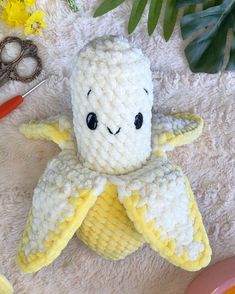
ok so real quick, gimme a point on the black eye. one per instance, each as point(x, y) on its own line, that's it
point(139, 120)
point(89, 92)
point(91, 121)
point(147, 92)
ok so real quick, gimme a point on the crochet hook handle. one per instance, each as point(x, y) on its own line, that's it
point(8, 106)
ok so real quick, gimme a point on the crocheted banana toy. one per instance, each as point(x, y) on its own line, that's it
point(5, 286)
point(112, 183)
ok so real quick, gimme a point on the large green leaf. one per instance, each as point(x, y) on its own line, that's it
point(171, 12)
point(206, 3)
point(136, 13)
point(154, 13)
point(182, 3)
point(106, 6)
point(190, 9)
point(206, 52)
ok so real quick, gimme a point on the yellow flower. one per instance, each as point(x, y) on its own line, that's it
point(34, 23)
point(29, 2)
point(14, 13)
point(2, 3)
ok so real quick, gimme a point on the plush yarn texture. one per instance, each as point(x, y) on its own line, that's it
point(157, 205)
point(5, 286)
point(113, 80)
point(207, 162)
point(156, 197)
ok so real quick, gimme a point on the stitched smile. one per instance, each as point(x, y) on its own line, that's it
point(112, 132)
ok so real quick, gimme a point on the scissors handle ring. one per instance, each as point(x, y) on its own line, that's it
point(28, 49)
point(14, 75)
point(8, 40)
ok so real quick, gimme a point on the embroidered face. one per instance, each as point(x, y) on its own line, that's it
point(112, 100)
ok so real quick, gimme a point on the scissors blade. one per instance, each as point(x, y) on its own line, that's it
point(3, 70)
point(4, 77)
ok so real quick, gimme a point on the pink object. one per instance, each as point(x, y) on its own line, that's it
point(216, 279)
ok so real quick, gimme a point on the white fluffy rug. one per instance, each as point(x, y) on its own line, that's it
point(209, 162)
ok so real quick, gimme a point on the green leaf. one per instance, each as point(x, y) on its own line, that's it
point(211, 3)
point(106, 6)
point(193, 23)
point(136, 13)
point(72, 5)
point(190, 9)
point(218, 2)
point(171, 13)
point(154, 13)
point(183, 3)
point(206, 52)
point(208, 4)
point(231, 62)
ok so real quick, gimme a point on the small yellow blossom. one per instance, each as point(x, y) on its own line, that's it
point(19, 12)
point(29, 2)
point(34, 23)
point(2, 3)
point(14, 13)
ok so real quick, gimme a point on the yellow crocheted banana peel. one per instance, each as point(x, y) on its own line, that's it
point(52, 130)
point(182, 136)
point(166, 248)
point(57, 131)
point(112, 229)
point(57, 241)
point(5, 286)
point(107, 229)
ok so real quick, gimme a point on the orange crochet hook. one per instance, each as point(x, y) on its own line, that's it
point(11, 104)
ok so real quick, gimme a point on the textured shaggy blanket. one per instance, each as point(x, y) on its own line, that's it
point(209, 162)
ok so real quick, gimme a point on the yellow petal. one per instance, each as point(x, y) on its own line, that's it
point(14, 13)
point(29, 2)
point(5, 286)
point(34, 23)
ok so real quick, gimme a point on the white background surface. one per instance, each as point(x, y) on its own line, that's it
point(209, 162)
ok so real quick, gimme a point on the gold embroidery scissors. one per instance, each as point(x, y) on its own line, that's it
point(9, 67)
